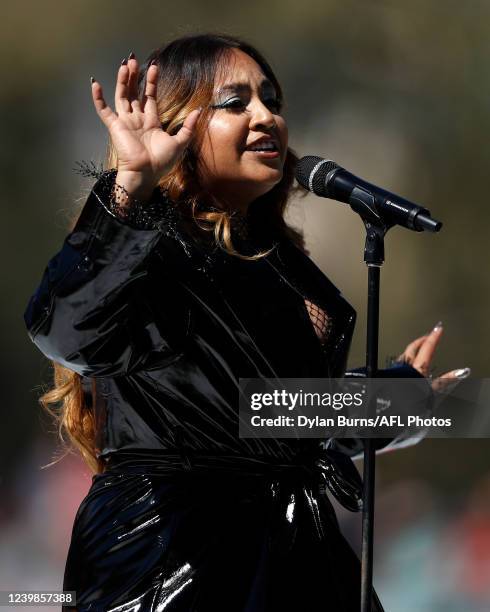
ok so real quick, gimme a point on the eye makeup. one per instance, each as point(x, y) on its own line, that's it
point(236, 103)
point(243, 94)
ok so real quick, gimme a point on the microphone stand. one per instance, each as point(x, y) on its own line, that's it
point(374, 258)
point(378, 213)
point(376, 226)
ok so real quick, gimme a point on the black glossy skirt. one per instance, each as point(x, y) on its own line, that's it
point(207, 542)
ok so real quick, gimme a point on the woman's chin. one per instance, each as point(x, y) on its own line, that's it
point(267, 174)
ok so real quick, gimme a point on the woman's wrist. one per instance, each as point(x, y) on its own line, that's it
point(132, 187)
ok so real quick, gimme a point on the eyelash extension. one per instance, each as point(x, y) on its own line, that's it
point(233, 106)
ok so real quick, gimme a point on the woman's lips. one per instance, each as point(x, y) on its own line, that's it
point(266, 154)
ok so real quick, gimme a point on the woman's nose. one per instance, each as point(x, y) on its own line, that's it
point(261, 116)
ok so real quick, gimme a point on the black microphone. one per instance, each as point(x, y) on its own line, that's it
point(327, 179)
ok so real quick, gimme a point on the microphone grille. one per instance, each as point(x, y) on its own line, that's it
point(311, 171)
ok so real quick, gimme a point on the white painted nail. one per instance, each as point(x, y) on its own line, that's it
point(462, 373)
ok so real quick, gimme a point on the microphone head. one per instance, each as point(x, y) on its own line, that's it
point(311, 172)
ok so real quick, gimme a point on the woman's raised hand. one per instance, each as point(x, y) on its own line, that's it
point(145, 152)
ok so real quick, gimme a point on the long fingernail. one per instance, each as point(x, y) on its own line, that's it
point(153, 62)
point(131, 55)
point(124, 62)
point(437, 326)
point(462, 373)
point(92, 80)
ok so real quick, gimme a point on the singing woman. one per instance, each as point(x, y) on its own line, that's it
point(179, 277)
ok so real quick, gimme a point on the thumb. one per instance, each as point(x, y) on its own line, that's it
point(446, 382)
point(186, 132)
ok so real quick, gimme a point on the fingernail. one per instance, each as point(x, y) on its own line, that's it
point(199, 108)
point(437, 326)
point(153, 62)
point(124, 62)
point(131, 55)
point(462, 373)
point(92, 80)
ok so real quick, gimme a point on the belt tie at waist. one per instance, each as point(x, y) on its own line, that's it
point(328, 469)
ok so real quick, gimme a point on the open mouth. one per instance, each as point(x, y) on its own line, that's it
point(264, 149)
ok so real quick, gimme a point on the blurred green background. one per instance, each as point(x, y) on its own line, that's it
point(398, 93)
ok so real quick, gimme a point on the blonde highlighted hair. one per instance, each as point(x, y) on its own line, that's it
point(188, 67)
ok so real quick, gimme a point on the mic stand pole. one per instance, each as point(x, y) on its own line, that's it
point(364, 203)
point(374, 258)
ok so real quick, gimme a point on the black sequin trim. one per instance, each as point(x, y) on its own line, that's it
point(139, 215)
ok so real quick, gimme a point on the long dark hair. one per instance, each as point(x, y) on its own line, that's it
point(187, 70)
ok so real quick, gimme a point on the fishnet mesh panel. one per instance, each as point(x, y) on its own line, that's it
point(320, 320)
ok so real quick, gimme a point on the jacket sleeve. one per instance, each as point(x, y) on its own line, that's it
point(354, 447)
point(92, 311)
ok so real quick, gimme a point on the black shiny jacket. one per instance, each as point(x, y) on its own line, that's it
point(165, 325)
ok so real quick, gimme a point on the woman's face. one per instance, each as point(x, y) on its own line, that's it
point(246, 116)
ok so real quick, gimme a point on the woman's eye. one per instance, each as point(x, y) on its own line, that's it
point(234, 104)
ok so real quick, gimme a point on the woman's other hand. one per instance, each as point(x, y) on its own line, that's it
point(419, 354)
point(145, 152)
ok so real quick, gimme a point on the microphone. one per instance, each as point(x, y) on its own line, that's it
point(327, 179)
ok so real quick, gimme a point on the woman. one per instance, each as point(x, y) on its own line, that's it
point(179, 277)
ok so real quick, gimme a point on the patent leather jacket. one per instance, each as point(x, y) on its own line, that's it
point(166, 325)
